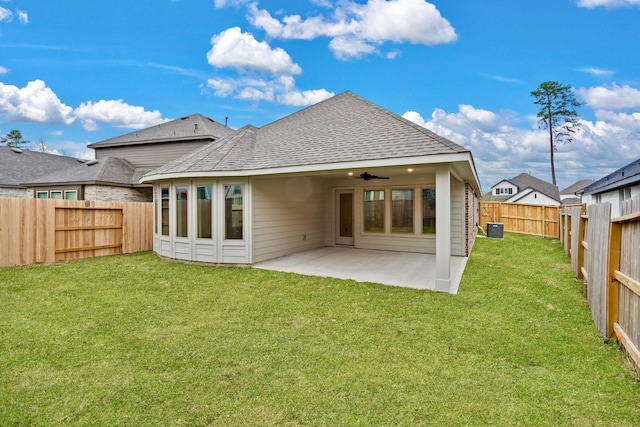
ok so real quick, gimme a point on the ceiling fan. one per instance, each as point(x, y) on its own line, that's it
point(368, 177)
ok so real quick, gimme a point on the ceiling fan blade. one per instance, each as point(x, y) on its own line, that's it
point(368, 177)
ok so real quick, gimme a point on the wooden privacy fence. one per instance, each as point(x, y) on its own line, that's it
point(519, 218)
point(605, 254)
point(45, 230)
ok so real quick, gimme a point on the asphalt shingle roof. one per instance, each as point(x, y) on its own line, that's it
point(573, 188)
point(343, 128)
point(108, 170)
point(195, 126)
point(18, 167)
point(625, 176)
point(524, 180)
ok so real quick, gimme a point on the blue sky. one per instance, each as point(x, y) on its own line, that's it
point(73, 73)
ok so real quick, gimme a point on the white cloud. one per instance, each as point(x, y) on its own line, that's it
point(631, 122)
point(503, 78)
point(235, 49)
point(23, 17)
point(222, 88)
point(590, 4)
point(348, 47)
point(38, 103)
point(281, 89)
point(502, 148)
point(116, 113)
point(611, 97)
point(596, 71)
point(33, 103)
point(4, 70)
point(5, 14)
point(393, 54)
point(359, 29)
point(219, 4)
point(306, 97)
point(266, 73)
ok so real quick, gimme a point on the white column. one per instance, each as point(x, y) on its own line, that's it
point(443, 229)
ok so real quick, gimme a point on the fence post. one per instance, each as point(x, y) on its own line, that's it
point(581, 231)
point(615, 233)
point(561, 212)
point(567, 232)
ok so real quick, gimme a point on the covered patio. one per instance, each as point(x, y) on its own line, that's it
point(410, 270)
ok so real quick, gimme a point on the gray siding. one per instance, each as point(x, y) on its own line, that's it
point(150, 155)
point(288, 216)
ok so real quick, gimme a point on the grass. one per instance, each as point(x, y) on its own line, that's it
point(136, 340)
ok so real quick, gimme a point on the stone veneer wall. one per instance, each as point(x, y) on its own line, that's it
point(21, 193)
point(105, 193)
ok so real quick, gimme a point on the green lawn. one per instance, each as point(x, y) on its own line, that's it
point(136, 340)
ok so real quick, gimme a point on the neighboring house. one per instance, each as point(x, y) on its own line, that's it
point(109, 179)
point(615, 188)
point(343, 172)
point(18, 166)
point(572, 195)
point(155, 146)
point(525, 189)
point(115, 173)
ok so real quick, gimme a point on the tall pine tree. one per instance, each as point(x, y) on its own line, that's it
point(557, 114)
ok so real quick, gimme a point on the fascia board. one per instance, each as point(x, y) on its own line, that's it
point(327, 167)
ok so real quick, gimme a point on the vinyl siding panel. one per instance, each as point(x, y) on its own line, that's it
point(288, 216)
point(150, 155)
point(205, 252)
point(389, 242)
point(534, 198)
point(458, 212)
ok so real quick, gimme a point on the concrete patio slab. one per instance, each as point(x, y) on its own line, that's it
point(404, 269)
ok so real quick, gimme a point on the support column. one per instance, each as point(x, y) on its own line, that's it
point(443, 229)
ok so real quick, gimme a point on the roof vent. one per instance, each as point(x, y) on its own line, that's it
point(16, 150)
point(91, 162)
point(82, 160)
